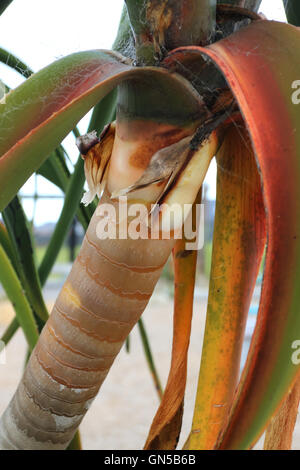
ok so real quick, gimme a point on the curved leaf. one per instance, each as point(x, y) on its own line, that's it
point(238, 244)
point(261, 65)
point(10, 331)
point(44, 109)
point(273, 116)
point(124, 42)
point(5, 241)
point(249, 4)
point(166, 426)
point(55, 170)
point(4, 4)
point(149, 357)
point(292, 9)
point(162, 25)
point(14, 62)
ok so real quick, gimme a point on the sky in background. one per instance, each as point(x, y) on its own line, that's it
point(39, 32)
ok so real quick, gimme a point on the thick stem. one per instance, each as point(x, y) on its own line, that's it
point(292, 9)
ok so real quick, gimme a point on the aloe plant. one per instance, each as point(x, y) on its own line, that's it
point(195, 79)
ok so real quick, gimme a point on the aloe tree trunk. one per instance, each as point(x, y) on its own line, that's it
point(161, 26)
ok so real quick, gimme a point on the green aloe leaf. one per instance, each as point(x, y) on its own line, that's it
point(18, 229)
point(10, 331)
point(103, 113)
point(15, 63)
point(7, 245)
point(149, 358)
point(271, 109)
point(44, 109)
point(124, 42)
point(5, 242)
point(4, 4)
point(55, 169)
point(72, 199)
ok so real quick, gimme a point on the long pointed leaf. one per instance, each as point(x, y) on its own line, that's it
point(249, 4)
point(17, 226)
point(166, 426)
point(54, 167)
point(238, 244)
point(55, 170)
point(124, 42)
point(102, 115)
point(273, 116)
point(14, 62)
point(14, 291)
point(71, 202)
point(4, 4)
point(7, 245)
point(38, 114)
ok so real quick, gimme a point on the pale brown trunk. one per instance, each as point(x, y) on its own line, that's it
point(104, 295)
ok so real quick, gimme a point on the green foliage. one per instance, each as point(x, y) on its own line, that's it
point(15, 293)
point(20, 236)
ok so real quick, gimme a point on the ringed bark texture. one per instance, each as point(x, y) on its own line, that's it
point(104, 295)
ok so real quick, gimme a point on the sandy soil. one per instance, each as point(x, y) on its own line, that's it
point(122, 412)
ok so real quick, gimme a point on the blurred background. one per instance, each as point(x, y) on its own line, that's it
point(39, 33)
